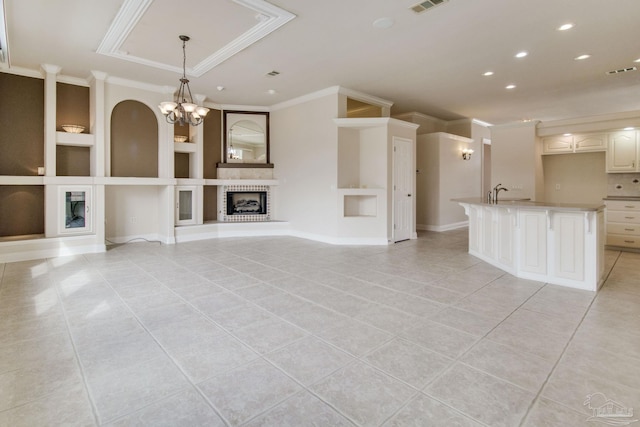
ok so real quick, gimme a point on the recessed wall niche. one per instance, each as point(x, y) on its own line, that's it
point(21, 210)
point(22, 124)
point(73, 161)
point(72, 106)
point(134, 141)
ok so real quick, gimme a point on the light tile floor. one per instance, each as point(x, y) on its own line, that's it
point(288, 332)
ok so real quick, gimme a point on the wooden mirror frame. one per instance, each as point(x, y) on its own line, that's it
point(225, 142)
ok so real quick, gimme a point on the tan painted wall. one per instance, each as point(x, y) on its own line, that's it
point(72, 161)
point(21, 210)
point(72, 106)
point(134, 140)
point(582, 178)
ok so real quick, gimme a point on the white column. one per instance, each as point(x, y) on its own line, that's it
point(50, 80)
point(97, 120)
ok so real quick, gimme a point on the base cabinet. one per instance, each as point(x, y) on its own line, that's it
point(563, 247)
point(623, 223)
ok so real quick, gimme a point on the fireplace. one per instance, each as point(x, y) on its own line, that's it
point(244, 203)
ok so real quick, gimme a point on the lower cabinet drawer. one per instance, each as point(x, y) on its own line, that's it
point(627, 229)
point(624, 241)
point(623, 216)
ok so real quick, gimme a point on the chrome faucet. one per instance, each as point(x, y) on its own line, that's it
point(496, 191)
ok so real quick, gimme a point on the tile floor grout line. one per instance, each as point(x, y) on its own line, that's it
point(173, 361)
point(87, 389)
point(564, 349)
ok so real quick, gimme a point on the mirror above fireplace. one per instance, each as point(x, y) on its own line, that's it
point(246, 140)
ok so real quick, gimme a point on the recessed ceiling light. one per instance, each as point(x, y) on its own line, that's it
point(637, 60)
point(522, 54)
point(581, 57)
point(565, 27)
point(510, 87)
point(567, 134)
point(271, 91)
point(488, 73)
point(383, 23)
point(220, 88)
point(630, 128)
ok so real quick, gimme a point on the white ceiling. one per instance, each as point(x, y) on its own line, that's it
point(430, 63)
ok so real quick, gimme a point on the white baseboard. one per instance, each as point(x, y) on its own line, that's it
point(441, 228)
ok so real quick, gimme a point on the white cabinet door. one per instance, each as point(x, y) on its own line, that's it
point(505, 239)
point(76, 211)
point(489, 232)
point(622, 152)
point(590, 142)
point(568, 245)
point(186, 198)
point(533, 241)
point(557, 144)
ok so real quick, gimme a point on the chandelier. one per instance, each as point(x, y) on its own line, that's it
point(183, 110)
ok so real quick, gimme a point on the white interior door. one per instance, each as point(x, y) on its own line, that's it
point(403, 168)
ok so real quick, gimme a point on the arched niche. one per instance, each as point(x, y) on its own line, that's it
point(134, 140)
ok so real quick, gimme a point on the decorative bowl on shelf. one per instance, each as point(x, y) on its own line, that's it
point(180, 138)
point(73, 128)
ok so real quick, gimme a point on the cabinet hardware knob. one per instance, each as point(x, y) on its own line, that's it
point(629, 217)
point(630, 206)
point(629, 241)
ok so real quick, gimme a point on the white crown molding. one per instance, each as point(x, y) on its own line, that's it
point(270, 18)
point(333, 90)
point(25, 72)
point(50, 68)
point(76, 81)
point(140, 85)
point(232, 107)
point(414, 115)
point(363, 97)
point(481, 123)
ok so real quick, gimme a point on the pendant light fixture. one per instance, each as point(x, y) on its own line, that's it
point(183, 110)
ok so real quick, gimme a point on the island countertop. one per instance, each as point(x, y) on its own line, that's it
point(530, 204)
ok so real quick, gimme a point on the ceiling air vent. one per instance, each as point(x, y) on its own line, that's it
point(425, 5)
point(273, 73)
point(622, 70)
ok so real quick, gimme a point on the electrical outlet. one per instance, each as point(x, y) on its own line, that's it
point(133, 220)
point(557, 187)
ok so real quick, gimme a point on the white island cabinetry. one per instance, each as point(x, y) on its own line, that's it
point(553, 243)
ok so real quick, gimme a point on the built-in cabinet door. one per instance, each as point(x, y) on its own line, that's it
point(557, 144)
point(533, 241)
point(505, 239)
point(622, 152)
point(568, 245)
point(591, 142)
point(76, 209)
point(185, 213)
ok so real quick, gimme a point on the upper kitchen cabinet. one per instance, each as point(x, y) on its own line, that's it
point(622, 152)
point(574, 143)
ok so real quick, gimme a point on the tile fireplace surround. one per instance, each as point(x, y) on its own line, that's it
point(244, 179)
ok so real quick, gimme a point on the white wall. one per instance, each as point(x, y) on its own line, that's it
point(133, 211)
point(443, 176)
point(516, 161)
point(304, 150)
point(582, 177)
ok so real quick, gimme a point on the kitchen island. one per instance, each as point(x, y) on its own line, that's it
point(554, 243)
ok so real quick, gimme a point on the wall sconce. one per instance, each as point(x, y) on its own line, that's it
point(466, 153)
